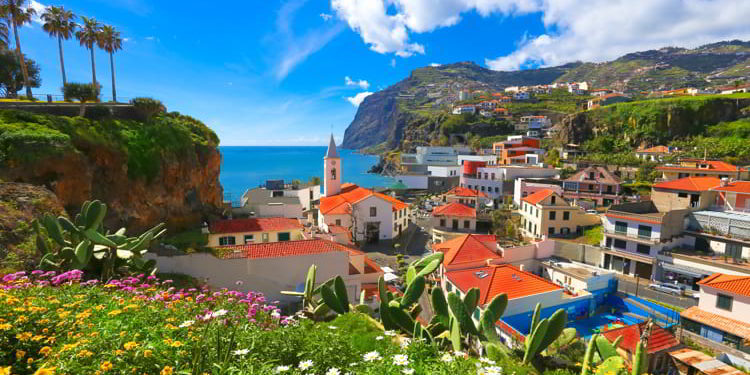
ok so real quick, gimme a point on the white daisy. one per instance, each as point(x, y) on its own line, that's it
point(390, 333)
point(408, 371)
point(405, 343)
point(379, 338)
point(304, 365)
point(333, 371)
point(218, 313)
point(493, 370)
point(446, 358)
point(459, 354)
point(400, 360)
point(332, 327)
point(372, 356)
point(187, 323)
point(486, 360)
point(280, 369)
point(241, 352)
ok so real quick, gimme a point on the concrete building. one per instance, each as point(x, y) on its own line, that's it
point(723, 311)
point(577, 277)
point(523, 187)
point(462, 109)
point(521, 95)
point(700, 167)
point(498, 182)
point(451, 220)
point(488, 158)
point(277, 199)
point(253, 230)
point(369, 215)
point(546, 214)
point(431, 156)
point(593, 184)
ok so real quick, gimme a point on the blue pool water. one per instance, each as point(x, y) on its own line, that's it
point(586, 327)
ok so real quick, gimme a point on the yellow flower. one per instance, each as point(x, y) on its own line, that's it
point(22, 319)
point(131, 306)
point(5, 370)
point(118, 352)
point(114, 312)
point(167, 370)
point(106, 366)
point(147, 353)
point(176, 344)
point(5, 327)
point(85, 353)
point(99, 307)
point(45, 350)
point(20, 354)
point(130, 345)
point(45, 371)
point(30, 360)
point(23, 336)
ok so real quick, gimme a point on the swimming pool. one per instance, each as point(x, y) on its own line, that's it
point(602, 322)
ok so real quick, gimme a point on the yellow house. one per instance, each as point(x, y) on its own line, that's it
point(546, 213)
point(254, 230)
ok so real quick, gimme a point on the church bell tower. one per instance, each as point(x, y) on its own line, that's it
point(332, 170)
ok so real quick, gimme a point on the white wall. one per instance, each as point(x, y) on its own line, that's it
point(362, 216)
point(278, 210)
point(740, 304)
point(609, 224)
point(490, 159)
point(413, 181)
point(304, 195)
point(444, 171)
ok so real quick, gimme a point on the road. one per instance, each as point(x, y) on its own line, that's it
point(628, 285)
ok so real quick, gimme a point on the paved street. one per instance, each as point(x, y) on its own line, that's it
point(628, 285)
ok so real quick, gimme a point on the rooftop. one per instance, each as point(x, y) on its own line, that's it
point(284, 249)
point(339, 204)
point(262, 195)
point(655, 150)
point(265, 224)
point(701, 165)
point(646, 210)
point(539, 196)
point(729, 283)
point(735, 187)
point(703, 362)
point(696, 184)
point(460, 191)
point(601, 174)
point(497, 279)
point(720, 322)
point(454, 209)
point(467, 249)
point(660, 339)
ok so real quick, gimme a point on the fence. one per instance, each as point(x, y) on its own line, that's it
point(49, 98)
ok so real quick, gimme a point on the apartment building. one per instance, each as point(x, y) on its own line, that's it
point(546, 214)
point(594, 184)
point(498, 181)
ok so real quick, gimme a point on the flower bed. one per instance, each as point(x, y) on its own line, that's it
point(59, 324)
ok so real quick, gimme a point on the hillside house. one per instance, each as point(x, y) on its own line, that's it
point(655, 154)
point(253, 230)
point(546, 214)
point(688, 167)
point(451, 220)
point(596, 184)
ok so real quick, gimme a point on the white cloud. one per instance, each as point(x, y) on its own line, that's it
point(599, 31)
point(356, 100)
point(295, 49)
point(39, 9)
point(434, 65)
point(326, 17)
point(364, 85)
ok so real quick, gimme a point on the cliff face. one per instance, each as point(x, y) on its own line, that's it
point(651, 122)
point(146, 173)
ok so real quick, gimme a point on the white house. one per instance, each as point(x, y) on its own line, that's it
point(461, 109)
point(369, 215)
point(521, 95)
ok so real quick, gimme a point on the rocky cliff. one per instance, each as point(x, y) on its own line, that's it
point(163, 170)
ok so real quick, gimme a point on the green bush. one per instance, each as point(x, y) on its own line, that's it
point(83, 92)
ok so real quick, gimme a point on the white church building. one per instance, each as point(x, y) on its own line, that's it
point(369, 216)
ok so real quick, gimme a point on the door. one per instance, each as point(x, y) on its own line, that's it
point(626, 267)
point(607, 260)
point(643, 270)
point(454, 224)
point(372, 232)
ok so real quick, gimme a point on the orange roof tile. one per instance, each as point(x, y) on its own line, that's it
point(468, 248)
point(689, 184)
point(729, 283)
point(261, 224)
point(736, 187)
point(655, 150)
point(660, 338)
point(284, 249)
point(454, 209)
point(497, 279)
point(538, 196)
point(460, 191)
point(713, 165)
point(350, 194)
point(721, 322)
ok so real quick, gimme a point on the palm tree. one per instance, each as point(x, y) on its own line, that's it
point(3, 33)
point(110, 41)
point(88, 35)
point(59, 23)
point(18, 15)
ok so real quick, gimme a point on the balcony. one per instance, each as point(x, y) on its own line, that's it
point(624, 236)
point(728, 224)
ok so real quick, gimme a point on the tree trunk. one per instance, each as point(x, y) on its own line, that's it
point(22, 61)
point(62, 60)
point(112, 68)
point(82, 112)
point(93, 68)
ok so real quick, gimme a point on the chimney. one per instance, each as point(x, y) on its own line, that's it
point(521, 267)
point(724, 182)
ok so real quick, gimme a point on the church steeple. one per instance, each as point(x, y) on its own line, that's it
point(331, 170)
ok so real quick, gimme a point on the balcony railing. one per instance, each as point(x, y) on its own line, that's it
point(720, 223)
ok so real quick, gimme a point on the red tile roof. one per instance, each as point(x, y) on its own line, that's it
point(500, 279)
point(261, 224)
point(454, 209)
point(351, 194)
point(713, 165)
point(460, 191)
point(697, 184)
point(720, 322)
point(660, 338)
point(468, 248)
point(736, 187)
point(655, 150)
point(538, 196)
point(729, 283)
point(601, 174)
point(284, 249)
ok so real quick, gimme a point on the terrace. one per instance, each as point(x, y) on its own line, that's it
point(727, 224)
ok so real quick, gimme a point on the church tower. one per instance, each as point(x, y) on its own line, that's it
point(332, 170)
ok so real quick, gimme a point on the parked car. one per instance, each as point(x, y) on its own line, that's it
point(677, 290)
point(594, 212)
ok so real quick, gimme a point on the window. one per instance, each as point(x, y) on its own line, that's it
point(467, 224)
point(644, 231)
point(620, 244)
point(449, 286)
point(476, 313)
point(277, 193)
point(551, 231)
point(249, 238)
point(621, 227)
point(442, 222)
point(643, 249)
point(497, 190)
point(591, 175)
point(373, 211)
point(493, 176)
point(553, 199)
point(265, 237)
point(552, 215)
point(724, 302)
point(333, 174)
point(682, 195)
point(338, 222)
point(733, 250)
point(566, 215)
point(228, 240)
point(284, 236)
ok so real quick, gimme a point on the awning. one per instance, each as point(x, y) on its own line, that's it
point(389, 277)
point(631, 256)
point(692, 272)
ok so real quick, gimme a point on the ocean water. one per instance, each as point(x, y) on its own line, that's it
point(245, 167)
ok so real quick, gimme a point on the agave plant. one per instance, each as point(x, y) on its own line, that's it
point(85, 245)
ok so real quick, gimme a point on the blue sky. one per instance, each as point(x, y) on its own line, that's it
point(274, 72)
